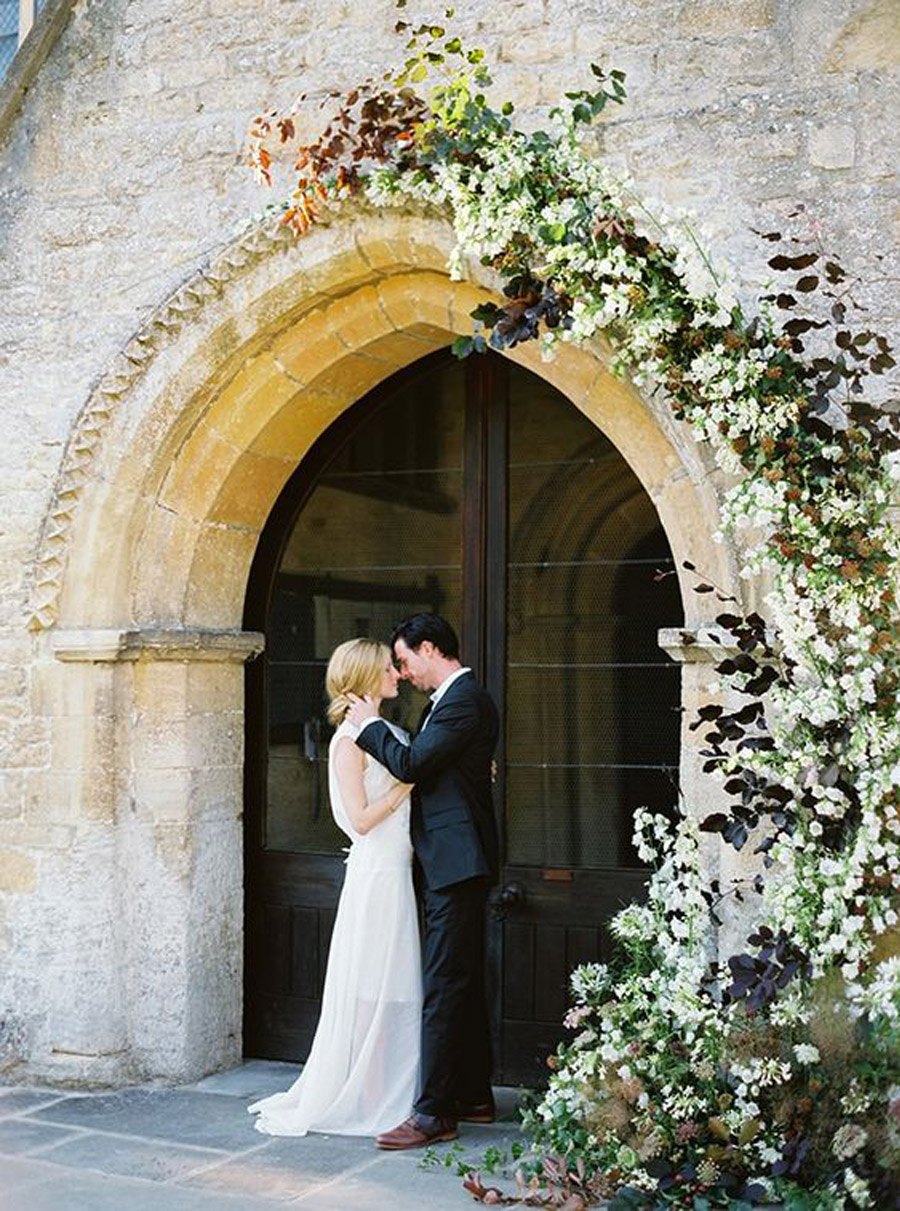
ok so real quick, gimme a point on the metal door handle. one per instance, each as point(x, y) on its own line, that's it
point(506, 898)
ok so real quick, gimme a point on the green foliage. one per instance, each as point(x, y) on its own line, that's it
point(464, 345)
point(587, 106)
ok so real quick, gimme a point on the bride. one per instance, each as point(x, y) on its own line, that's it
point(361, 1073)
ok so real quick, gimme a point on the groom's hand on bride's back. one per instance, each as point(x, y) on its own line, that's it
point(361, 710)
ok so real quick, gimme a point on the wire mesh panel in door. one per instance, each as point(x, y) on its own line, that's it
point(592, 703)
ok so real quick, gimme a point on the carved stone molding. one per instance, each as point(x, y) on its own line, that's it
point(257, 243)
point(127, 369)
point(101, 646)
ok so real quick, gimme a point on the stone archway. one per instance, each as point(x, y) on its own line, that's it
point(173, 468)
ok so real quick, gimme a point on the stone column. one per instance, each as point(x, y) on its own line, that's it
point(176, 781)
point(698, 649)
point(63, 1013)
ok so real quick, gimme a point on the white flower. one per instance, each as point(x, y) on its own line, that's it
point(880, 996)
point(858, 1188)
point(589, 980)
point(806, 1053)
point(856, 1100)
point(848, 1140)
point(635, 922)
point(789, 1010)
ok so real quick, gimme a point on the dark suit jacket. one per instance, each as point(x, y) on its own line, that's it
point(454, 833)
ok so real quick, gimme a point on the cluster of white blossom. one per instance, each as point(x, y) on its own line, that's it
point(589, 981)
point(790, 1009)
point(858, 1188)
point(758, 1074)
point(822, 901)
point(848, 1140)
point(806, 1053)
point(635, 1022)
point(879, 997)
point(587, 177)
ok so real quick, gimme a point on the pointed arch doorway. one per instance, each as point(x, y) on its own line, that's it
point(479, 491)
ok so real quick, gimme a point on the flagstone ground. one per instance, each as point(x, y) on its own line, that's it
point(193, 1148)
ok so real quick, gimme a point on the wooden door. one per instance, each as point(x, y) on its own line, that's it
point(590, 707)
point(475, 490)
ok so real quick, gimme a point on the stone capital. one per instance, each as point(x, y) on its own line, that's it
point(103, 645)
point(696, 645)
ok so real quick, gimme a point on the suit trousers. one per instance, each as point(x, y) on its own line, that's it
point(455, 1065)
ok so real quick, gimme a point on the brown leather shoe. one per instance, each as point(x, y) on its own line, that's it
point(484, 1112)
point(417, 1131)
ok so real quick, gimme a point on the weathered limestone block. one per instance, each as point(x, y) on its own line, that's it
point(248, 492)
point(131, 928)
point(12, 787)
point(833, 146)
point(218, 576)
point(182, 972)
point(542, 44)
point(25, 743)
point(870, 39)
point(214, 686)
point(717, 17)
point(18, 871)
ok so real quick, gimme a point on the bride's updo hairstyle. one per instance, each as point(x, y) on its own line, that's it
point(355, 667)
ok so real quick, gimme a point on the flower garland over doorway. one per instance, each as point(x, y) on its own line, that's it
point(691, 1081)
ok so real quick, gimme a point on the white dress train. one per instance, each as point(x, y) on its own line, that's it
point(361, 1072)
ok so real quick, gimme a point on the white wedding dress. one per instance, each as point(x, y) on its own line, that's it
point(361, 1072)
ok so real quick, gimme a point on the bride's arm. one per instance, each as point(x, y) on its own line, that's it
point(349, 765)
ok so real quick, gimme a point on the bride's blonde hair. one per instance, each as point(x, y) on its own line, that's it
point(355, 667)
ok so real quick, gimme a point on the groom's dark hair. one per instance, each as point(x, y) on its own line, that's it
point(437, 630)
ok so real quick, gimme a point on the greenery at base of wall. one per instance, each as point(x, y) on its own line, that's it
point(692, 1082)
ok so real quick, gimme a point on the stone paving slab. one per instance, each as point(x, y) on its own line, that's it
point(16, 1101)
point(286, 1169)
point(252, 1080)
point(179, 1115)
point(382, 1181)
point(21, 1172)
point(100, 1192)
point(400, 1182)
point(128, 1156)
point(23, 1135)
point(195, 1149)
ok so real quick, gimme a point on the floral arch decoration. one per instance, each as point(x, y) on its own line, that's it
point(694, 1081)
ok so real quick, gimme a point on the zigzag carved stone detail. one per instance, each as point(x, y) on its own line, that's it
point(261, 240)
point(128, 367)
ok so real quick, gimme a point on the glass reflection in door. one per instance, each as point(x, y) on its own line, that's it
point(378, 538)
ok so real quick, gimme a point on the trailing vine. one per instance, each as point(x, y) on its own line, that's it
point(695, 1082)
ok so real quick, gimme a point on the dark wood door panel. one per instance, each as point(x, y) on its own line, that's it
point(289, 946)
point(291, 906)
point(314, 882)
point(280, 1028)
point(554, 926)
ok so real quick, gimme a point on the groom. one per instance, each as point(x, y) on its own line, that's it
point(454, 836)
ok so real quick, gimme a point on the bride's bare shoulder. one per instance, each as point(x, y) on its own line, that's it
point(346, 752)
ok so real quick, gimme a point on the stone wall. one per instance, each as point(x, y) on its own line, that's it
point(120, 176)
